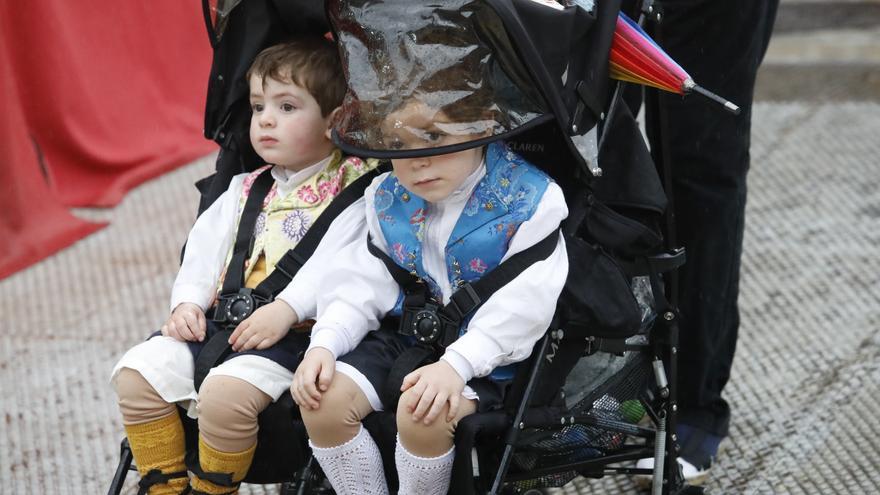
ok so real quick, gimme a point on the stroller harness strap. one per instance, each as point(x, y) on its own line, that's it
point(436, 327)
point(443, 327)
point(237, 302)
point(157, 477)
point(242, 248)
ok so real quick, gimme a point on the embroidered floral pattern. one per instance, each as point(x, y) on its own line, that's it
point(250, 179)
point(295, 225)
point(477, 266)
point(307, 194)
point(417, 220)
point(328, 188)
point(383, 200)
point(417, 217)
point(399, 252)
point(261, 223)
point(472, 207)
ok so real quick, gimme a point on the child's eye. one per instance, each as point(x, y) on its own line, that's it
point(287, 107)
point(434, 136)
point(256, 107)
point(395, 144)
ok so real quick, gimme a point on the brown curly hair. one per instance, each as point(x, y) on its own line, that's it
point(309, 63)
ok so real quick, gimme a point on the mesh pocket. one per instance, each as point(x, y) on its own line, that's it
point(615, 399)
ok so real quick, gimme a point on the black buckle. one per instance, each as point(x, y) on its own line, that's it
point(429, 324)
point(426, 325)
point(463, 307)
point(234, 308)
point(157, 477)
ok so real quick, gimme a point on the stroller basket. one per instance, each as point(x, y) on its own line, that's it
point(615, 402)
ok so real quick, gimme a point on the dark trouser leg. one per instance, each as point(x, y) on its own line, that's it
point(720, 43)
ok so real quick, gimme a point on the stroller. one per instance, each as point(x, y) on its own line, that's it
point(599, 389)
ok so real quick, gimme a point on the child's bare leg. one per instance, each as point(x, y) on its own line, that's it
point(344, 449)
point(425, 453)
point(155, 434)
point(138, 400)
point(228, 410)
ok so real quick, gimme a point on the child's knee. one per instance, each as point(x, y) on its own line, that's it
point(138, 400)
point(429, 440)
point(343, 405)
point(228, 408)
point(417, 433)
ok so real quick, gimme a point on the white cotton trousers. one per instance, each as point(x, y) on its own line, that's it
point(168, 366)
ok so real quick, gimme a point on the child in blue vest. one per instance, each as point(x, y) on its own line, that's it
point(449, 219)
point(295, 91)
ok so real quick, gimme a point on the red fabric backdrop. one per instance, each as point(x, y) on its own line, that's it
point(97, 97)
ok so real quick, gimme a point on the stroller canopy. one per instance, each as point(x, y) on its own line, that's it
point(434, 78)
point(534, 75)
point(423, 77)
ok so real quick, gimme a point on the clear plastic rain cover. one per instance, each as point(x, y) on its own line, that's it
point(424, 77)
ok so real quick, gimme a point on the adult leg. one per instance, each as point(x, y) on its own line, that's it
point(155, 434)
point(344, 449)
point(425, 453)
point(721, 44)
point(228, 410)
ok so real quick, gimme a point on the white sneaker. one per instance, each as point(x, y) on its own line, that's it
point(692, 474)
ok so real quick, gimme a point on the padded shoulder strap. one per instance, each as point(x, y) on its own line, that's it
point(471, 295)
point(234, 279)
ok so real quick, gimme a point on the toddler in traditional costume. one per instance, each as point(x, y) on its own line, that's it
point(455, 207)
point(295, 91)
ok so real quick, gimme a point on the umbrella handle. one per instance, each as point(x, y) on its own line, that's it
point(690, 85)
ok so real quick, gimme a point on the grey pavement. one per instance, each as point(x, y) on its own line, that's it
point(807, 374)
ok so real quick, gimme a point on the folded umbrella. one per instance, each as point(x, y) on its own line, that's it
point(635, 57)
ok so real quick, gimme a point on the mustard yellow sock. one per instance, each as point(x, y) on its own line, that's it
point(160, 446)
point(235, 464)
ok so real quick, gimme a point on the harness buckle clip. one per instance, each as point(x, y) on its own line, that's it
point(463, 307)
point(234, 308)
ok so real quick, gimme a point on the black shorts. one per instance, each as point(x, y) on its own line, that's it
point(287, 352)
point(376, 354)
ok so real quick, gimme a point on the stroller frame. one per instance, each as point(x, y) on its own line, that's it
point(660, 400)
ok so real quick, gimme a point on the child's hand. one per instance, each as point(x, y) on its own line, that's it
point(436, 384)
point(264, 328)
point(312, 377)
point(186, 323)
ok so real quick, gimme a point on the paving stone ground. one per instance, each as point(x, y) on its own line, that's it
point(804, 384)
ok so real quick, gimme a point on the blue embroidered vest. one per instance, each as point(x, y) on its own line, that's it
point(504, 198)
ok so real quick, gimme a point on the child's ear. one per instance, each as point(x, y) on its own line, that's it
point(331, 121)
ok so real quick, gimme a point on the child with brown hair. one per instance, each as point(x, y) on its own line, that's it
point(295, 91)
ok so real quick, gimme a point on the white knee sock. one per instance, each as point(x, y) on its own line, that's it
point(423, 475)
point(355, 467)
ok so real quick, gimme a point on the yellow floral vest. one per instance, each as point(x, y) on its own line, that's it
point(286, 219)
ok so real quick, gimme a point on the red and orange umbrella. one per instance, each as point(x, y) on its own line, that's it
point(635, 57)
